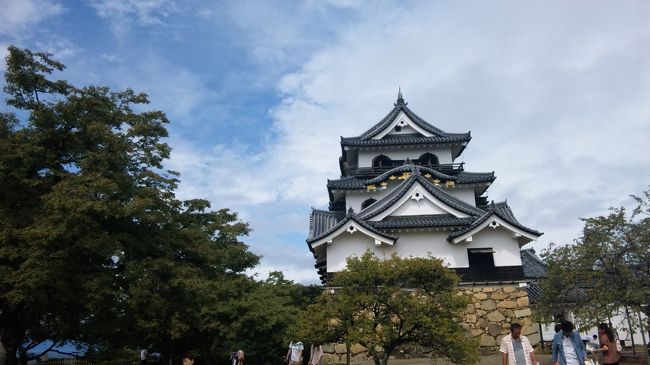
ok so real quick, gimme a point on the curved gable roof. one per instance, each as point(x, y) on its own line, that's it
point(501, 210)
point(394, 196)
point(346, 220)
point(401, 106)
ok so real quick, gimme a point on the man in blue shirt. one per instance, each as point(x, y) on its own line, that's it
point(568, 348)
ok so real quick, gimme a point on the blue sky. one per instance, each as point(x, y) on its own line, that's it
point(556, 94)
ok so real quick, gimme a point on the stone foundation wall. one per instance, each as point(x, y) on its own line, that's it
point(493, 309)
point(488, 317)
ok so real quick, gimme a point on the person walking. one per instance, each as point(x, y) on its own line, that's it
point(294, 355)
point(316, 354)
point(240, 357)
point(608, 347)
point(516, 349)
point(568, 348)
point(144, 356)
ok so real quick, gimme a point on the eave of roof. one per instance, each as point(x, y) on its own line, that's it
point(406, 140)
point(501, 210)
point(354, 218)
point(354, 183)
point(422, 221)
point(322, 220)
point(534, 267)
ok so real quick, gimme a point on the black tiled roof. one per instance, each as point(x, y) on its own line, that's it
point(344, 221)
point(406, 139)
point(322, 220)
point(534, 267)
point(465, 177)
point(400, 105)
point(397, 194)
point(347, 183)
point(352, 183)
point(501, 210)
point(421, 221)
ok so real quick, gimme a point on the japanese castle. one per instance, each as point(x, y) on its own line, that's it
point(402, 192)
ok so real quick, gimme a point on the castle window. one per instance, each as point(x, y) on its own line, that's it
point(481, 258)
point(382, 161)
point(398, 128)
point(366, 203)
point(428, 159)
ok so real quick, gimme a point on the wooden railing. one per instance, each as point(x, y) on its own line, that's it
point(445, 168)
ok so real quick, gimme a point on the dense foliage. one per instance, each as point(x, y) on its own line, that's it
point(387, 305)
point(95, 248)
point(607, 269)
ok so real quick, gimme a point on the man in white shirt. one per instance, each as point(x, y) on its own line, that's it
point(568, 348)
point(516, 349)
point(294, 355)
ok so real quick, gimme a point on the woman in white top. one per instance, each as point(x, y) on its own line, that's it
point(316, 354)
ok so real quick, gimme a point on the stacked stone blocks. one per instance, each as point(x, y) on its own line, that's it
point(487, 317)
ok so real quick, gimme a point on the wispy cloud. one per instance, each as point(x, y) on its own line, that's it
point(124, 14)
point(17, 16)
point(17, 19)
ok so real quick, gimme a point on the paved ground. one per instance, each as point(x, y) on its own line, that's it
point(543, 359)
point(485, 360)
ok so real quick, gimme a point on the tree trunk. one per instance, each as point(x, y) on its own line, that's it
point(22, 356)
point(385, 355)
point(645, 344)
point(347, 353)
point(375, 357)
point(3, 353)
point(9, 342)
point(629, 326)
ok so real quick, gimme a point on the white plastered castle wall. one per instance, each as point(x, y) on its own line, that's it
point(506, 248)
point(354, 198)
point(462, 193)
point(366, 156)
point(426, 243)
point(350, 245)
point(422, 244)
point(405, 122)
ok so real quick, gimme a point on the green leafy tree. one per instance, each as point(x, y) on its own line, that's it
point(606, 269)
point(263, 317)
point(387, 305)
point(95, 249)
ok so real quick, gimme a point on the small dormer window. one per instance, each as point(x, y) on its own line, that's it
point(398, 128)
point(481, 258)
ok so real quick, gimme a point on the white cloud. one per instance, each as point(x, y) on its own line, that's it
point(16, 16)
point(123, 14)
point(178, 91)
point(556, 96)
point(18, 21)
